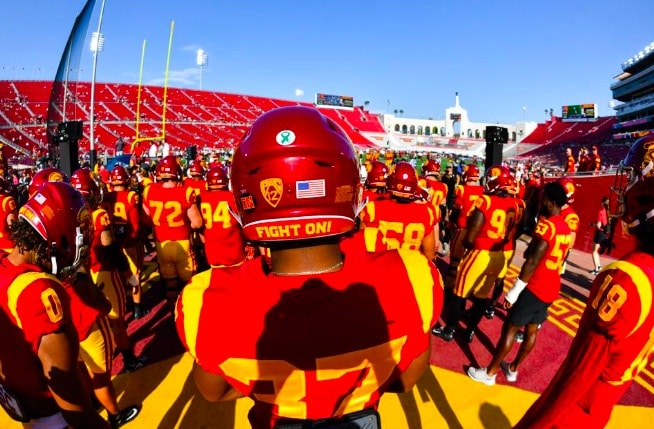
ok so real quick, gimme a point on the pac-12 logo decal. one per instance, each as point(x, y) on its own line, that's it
point(285, 138)
point(271, 189)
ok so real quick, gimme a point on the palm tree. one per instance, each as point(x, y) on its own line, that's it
point(545, 112)
point(395, 111)
point(551, 112)
point(365, 103)
point(401, 111)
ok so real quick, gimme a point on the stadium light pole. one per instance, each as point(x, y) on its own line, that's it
point(202, 60)
point(97, 45)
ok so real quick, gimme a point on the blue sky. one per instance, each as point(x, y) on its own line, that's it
point(412, 55)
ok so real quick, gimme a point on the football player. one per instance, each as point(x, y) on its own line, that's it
point(613, 343)
point(195, 179)
point(222, 235)
point(401, 221)
point(124, 208)
point(509, 253)
point(8, 214)
point(536, 287)
point(466, 195)
point(49, 174)
point(375, 184)
point(487, 227)
point(174, 213)
point(295, 179)
point(107, 262)
point(40, 380)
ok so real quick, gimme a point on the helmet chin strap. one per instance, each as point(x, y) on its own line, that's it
point(53, 258)
point(236, 216)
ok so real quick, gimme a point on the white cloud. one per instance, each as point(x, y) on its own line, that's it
point(299, 92)
point(187, 76)
point(190, 48)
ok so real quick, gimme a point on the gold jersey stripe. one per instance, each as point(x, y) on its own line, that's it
point(642, 283)
point(192, 302)
point(419, 271)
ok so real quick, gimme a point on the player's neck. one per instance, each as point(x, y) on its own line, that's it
point(317, 259)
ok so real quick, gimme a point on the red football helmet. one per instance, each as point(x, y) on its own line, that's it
point(377, 175)
point(569, 187)
point(403, 181)
point(195, 169)
point(471, 172)
point(82, 181)
point(634, 184)
point(431, 168)
point(295, 176)
point(43, 176)
point(217, 179)
point(168, 169)
point(119, 176)
point(499, 180)
point(637, 165)
point(637, 204)
point(63, 219)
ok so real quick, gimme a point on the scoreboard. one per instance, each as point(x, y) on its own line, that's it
point(579, 111)
point(328, 100)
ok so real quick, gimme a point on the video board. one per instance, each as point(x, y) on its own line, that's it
point(579, 111)
point(329, 100)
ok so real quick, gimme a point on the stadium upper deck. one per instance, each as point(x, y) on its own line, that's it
point(635, 89)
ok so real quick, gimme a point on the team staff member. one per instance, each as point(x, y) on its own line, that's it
point(39, 348)
point(601, 234)
point(401, 221)
point(613, 343)
point(536, 287)
point(295, 179)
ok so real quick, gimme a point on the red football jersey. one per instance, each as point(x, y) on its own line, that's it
point(545, 283)
point(98, 257)
point(437, 190)
point(311, 346)
point(394, 225)
point(32, 304)
point(513, 235)
point(198, 185)
point(613, 344)
point(373, 195)
point(464, 200)
point(571, 218)
point(7, 206)
point(499, 219)
point(82, 315)
point(223, 240)
point(168, 208)
point(124, 210)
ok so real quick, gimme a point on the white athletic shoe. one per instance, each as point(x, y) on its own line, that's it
point(511, 376)
point(480, 375)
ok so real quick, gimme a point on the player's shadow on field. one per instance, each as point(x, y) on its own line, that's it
point(492, 417)
point(200, 412)
point(429, 390)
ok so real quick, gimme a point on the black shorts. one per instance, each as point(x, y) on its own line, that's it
point(599, 236)
point(528, 309)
